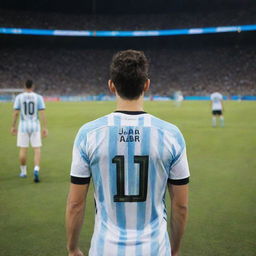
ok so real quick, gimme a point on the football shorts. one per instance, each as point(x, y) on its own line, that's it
point(24, 138)
point(217, 112)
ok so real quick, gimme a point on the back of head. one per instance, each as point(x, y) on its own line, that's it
point(29, 84)
point(129, 73)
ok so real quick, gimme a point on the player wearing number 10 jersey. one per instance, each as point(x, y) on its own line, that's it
point(132, 157)
point(28, 104)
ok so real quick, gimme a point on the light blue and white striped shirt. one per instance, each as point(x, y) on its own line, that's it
point(131, 156)
point(29, 103)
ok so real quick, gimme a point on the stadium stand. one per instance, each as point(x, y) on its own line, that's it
point(197, 72)
point(197, 65)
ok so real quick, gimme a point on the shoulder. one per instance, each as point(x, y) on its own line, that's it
point(165, 126)
point(92, 126)
point(18, 98)
point(172, 134)
point(38, 95)
point(19, 95)
point(17, 102)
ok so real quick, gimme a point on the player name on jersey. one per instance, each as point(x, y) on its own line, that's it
point(129, 135)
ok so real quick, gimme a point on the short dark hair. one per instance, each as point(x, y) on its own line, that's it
point(29, 84)
point(129, 72)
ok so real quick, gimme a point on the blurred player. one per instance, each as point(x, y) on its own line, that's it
point(178, 98)
point(217, 108)
point(132, 157)
point(28, 104)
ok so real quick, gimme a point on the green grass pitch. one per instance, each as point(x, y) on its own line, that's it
point(222, 218)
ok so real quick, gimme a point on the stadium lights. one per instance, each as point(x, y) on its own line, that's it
point(138, 33)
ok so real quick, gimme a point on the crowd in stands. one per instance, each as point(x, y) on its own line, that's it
point(84, 70)
point(173, 20)
point(200, 71)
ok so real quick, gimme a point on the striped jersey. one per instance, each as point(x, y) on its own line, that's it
point(216, 99)
point(130, 156)
point(29, 103)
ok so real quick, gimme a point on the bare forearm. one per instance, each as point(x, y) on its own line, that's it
point(14, 119)
point(74, 222)
point(178, 223)
point(43, 118)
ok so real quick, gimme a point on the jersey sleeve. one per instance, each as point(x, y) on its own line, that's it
point(179, 169)
point(16, 104)
point(41, 104)
point(80, 167)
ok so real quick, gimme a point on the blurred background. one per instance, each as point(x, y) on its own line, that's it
point(197, 64)
point(195, 48)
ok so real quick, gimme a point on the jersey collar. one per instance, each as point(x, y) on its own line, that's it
point(130, 112)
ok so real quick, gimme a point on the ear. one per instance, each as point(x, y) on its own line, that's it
point(146, 85)
point(111, 86)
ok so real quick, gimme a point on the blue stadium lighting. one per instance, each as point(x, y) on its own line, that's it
point(139, 33)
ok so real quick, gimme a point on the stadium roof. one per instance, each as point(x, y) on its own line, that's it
point(128, 6)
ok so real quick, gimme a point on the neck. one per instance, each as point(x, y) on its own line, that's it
point(129, 105)
point(28, 90)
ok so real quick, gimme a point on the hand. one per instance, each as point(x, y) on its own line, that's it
point(175, 254)
point(45, 132)
point(13, 131)
point(77, 252)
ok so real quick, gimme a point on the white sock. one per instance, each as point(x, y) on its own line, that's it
point(214, 121)
point(23, 169)
point(222, 121)
point(36, 168)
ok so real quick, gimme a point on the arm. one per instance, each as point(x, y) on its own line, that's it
point(179, 213)
point(43, 118)
point(14, 122)
point(178, 188)
point(74, 216)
